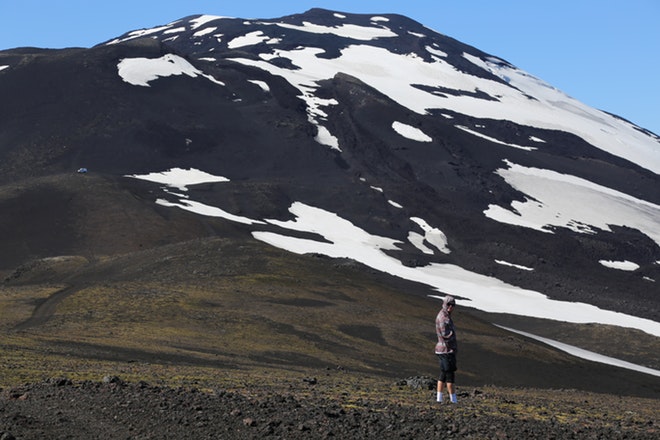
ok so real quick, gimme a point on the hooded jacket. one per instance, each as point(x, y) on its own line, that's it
point(444, 328)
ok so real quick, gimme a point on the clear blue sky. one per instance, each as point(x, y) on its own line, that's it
point(605, 53)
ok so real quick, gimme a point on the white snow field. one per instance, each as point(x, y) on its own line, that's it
point(562, 200)
point(141, 71)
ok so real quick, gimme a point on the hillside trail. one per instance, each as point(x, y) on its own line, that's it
point(44, 311)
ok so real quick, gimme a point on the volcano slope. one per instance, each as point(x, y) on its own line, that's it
point(109, 275)
point(352, 114)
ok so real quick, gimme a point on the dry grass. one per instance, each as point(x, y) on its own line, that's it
point(151, 328)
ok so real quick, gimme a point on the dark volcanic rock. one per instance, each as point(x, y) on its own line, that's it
point(115, 410)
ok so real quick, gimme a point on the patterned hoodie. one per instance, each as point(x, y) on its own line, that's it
point(444, 328)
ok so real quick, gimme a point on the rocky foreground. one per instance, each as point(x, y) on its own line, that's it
point(315, 408)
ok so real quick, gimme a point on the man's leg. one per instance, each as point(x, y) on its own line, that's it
point(443, 375)
point(441, 386)
point(452, 392)
point(450, 377)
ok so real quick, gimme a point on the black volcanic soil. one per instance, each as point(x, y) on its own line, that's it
point(315, 408)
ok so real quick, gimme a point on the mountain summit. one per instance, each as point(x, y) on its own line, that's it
point(370, 138)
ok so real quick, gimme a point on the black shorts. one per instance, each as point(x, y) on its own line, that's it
point(447, 367)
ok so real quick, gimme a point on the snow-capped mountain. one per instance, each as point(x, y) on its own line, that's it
point(369, 137)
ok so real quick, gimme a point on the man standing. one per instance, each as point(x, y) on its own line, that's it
point(446, 348)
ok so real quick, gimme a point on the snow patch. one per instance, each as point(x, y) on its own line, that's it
point(410, 132)
point(355, 32)
point(562, 200)
point(535, 139)
point(621, 265)
point(492, 139)
point(210, 211)
point(180, 178)
point(585, 354)
point(517, 266)
point(140, 71)
point(436, 52)
point(324, 137)
point(141, 33)
point(432, 235)
point(3, 67)
point(264, 86)
point(204, 19)
point(343, 238)
point(175, 30)
point(302, 80)
point(417, 240)
point(250, 39)
point(208, 30)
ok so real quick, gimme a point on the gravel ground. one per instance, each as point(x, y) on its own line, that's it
point(112, 409)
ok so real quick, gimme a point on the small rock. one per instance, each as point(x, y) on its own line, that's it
point(60, 381)
point(420, 382)
point(111, 379)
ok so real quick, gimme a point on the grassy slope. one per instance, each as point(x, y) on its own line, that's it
point(207, 308)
